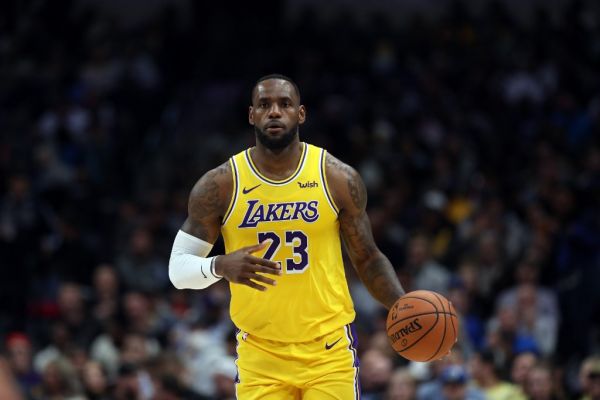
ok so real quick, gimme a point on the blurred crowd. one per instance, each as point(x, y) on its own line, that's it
point(477, 135)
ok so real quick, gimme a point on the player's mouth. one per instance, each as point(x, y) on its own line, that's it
point(274, 127)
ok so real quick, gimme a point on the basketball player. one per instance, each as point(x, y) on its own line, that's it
point(281, 207)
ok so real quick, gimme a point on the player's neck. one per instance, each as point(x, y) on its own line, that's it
point(277, 164)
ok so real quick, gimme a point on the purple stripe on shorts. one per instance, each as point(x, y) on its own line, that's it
point(352, 346)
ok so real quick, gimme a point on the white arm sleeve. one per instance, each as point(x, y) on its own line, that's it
point(188, 267)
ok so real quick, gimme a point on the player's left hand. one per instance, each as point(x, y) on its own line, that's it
point(242, 267)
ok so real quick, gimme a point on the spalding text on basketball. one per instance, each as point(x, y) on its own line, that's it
point(412, 327)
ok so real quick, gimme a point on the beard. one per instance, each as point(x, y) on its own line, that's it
point(276, 143)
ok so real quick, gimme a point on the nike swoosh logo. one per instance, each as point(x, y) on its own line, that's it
point(328, 346)
point(246, 191)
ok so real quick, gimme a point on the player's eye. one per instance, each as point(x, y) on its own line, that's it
point(286, 104)
point(263, 105)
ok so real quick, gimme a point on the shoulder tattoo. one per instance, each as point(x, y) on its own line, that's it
point(205, 199)
point(356, 187)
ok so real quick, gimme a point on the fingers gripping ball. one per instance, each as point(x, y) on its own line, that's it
point(422, 326)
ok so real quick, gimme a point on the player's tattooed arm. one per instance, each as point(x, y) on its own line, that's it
point(208, 202)
point(207, 205)
point(372, 266)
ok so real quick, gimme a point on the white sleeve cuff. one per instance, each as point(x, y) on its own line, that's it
point(188, 266)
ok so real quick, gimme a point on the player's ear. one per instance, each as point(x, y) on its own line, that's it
point(301, 114)
point(251, 115)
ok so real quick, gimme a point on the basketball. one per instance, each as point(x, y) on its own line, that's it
point(422, 326)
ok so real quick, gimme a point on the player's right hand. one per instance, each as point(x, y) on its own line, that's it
point(241, 267)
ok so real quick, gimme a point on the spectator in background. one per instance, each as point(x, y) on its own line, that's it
point(540, 384)
point(543, 328)
point(106, 293)
point(139, 267)
point(95, 382)
point(224, 374)
point(78, 357)
point(430, 388)
point(9, 389)
point(434, 223)
point(375, 372)
point(484, 372)
point(131, 385)
point(522, 364)
point(134, 377)
point(105, 347)
point(527, 273)
point(451, 379)
point(19, 359)
point(144, 316)
point(23, 230)
point(59, 382)
point(471, 334)
point(402, 386)
point(72, 255)
point(137, 349)
point(506, 336)
point(73, 312)
point(171, 378)
point(468, 276)
point(425, 272)
point(379, 341)
point(170, 387)
point(538, 306)
point(455, 386)
point(490, 263)
point(60, 339)
point(200, 351)
point(589, 378)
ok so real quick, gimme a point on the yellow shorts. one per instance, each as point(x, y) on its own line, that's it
point(325, 368)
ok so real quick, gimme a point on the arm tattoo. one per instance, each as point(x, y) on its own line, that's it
point(358, 192)
point(356, 231)
point(334, 163)
point(206, 205)
point(381, 280)
point(206, 200)
point(373, 268)
point(222, 169)
point(357, 189)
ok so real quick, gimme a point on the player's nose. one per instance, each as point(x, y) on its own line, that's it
point(274, 111)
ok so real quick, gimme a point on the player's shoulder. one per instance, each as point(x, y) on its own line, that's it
point(220, 173)
point(218, 179)
point(345, 183)
point(337, 169)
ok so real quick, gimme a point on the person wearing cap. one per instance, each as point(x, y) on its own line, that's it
point(455, 386)
point(19, 357)
point(452, 384)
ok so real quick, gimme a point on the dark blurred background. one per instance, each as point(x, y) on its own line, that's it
point(475, 125)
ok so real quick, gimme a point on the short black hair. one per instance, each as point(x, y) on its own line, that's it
point(277, 76)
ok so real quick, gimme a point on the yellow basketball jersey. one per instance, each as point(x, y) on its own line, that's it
point(300, 219)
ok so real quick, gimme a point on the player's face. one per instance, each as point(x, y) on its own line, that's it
point(276, 113)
